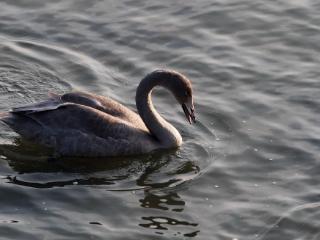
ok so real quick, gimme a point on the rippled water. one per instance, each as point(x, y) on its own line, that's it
point(249, 169)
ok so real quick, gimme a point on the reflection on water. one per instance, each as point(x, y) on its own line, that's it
point(157, 175)
point(162, 223)
point(163, 200)
point(29, 160)
point(166, 201)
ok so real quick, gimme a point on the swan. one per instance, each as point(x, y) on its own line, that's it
point(87, 125)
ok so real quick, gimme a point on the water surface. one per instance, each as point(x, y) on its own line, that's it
point(249, 168)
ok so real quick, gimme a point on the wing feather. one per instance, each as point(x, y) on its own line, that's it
point(50, 104)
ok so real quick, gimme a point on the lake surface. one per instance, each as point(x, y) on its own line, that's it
point(248, 169)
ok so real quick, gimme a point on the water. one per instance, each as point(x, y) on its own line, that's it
point(249, 169)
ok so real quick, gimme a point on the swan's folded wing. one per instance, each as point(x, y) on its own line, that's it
point(101, 103)
point(106, 105)
point(37, 122)
point(49, 104)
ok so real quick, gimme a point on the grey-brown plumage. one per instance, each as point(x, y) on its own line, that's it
point(84, 124)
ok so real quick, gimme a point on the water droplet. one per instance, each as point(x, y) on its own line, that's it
point(274, 182)
point(153, 226)
point(163, 200)
point(256, 185)
point(270, 159)
point(244, 121)
point(256, 150)
point(75, 183)
point(216, 186)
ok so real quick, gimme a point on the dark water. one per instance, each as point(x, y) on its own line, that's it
point(249, 169)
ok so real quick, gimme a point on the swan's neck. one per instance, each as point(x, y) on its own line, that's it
point(164, 132)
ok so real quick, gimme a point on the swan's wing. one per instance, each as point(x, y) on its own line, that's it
point(103, 104)
point(44, 125)
point(66, 116)
point(50, 104)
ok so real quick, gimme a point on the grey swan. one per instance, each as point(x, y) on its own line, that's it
point(87, 125)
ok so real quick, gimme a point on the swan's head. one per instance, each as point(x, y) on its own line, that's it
point(181, 87)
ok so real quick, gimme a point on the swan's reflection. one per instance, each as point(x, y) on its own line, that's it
point(166, 201)
point(163, 195)
point(156, 170)
point(173, 221)
point(159, 175)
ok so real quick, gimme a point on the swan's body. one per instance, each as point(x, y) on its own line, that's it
point(84, 124)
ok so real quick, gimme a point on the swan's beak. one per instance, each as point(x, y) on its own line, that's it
point(189, 112)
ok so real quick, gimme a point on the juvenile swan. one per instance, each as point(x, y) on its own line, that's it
point(84, 124)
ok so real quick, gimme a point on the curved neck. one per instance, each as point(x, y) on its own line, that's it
point(164, 132)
